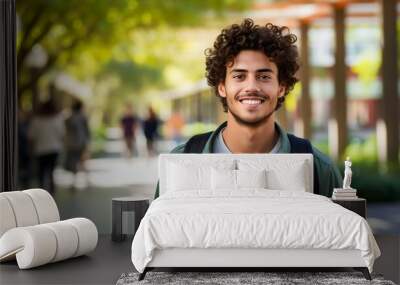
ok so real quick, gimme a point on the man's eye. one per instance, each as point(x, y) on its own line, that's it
point(264, 77)
point(238, 76)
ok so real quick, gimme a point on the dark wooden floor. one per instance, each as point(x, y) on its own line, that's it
point(103, 266)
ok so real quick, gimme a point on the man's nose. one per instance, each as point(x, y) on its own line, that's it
point(252, 85)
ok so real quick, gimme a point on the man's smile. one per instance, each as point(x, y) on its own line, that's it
point(253, 101)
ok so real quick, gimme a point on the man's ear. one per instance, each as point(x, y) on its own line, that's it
point(221, 89)
point(282, 90)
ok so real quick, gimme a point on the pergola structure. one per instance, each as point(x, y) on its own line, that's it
point(301, 14)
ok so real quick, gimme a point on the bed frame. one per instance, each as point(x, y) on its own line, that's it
point(250, 259)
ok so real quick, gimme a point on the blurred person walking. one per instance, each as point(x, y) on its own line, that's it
point(77, 142)
point(46, 133)
point(150, 130)
point(174, 127)
point(129, 123)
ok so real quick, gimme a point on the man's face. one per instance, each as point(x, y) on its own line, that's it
point(251, 87)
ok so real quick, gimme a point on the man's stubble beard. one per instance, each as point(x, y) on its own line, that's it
point(249, 123)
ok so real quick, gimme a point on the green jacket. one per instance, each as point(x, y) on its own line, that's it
point(328, 174)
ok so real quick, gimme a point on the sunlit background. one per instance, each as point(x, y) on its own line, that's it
point(110, 54)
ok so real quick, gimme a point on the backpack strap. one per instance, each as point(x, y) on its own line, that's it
point(196, 143)
point(299, 145)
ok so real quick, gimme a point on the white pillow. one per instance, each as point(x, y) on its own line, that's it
point(293, 179)
point(224, 179)
point(251, 178)
point(187, 177)
point(283, 174)
point(189, 174)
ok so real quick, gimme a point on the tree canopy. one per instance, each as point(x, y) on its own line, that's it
point(94, 37)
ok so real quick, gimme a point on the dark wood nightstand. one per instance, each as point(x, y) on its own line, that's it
point(358, 206)
point(138, 205)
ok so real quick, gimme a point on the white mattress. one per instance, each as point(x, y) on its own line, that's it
point(256, 218)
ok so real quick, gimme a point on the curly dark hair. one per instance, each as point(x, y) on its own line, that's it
point(277, 43)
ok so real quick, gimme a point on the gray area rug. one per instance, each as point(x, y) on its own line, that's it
point(229, 278)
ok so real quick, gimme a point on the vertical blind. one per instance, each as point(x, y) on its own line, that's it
point(8, 97)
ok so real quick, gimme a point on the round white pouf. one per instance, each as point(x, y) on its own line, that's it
point(23, 208)
point(40, 244)
point(33, 246)
point(6, 216)
point(45, 205)
point(31, 232)
point(67, 240)
point(87, 233)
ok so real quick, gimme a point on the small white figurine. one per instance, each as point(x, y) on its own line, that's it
point(347, 174)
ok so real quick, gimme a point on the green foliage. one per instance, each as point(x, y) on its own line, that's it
point(99, 133)
point(365, 152)
point(369, 178)
point(134, 77)
point(292, 97)
point(374, 185)
point(98, 141)
point(197, 128)
point(367, 67)
point(82, 38)
point(322, 145)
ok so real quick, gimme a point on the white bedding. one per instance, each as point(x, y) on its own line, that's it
point(251, 218)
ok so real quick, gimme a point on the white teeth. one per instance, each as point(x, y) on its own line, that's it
point(251, 102)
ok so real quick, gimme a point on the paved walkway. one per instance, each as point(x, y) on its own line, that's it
point(112, 173)
point(116, 170)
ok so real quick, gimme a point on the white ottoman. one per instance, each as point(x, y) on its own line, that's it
point(31, 232)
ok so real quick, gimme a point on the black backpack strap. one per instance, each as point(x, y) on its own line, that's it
point(196, 143)
point(299, 145)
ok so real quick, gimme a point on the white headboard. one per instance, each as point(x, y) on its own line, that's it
point(280, 162)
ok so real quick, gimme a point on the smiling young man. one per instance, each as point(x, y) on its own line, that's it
point(251, 69)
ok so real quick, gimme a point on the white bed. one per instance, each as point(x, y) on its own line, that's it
point(202, 219)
